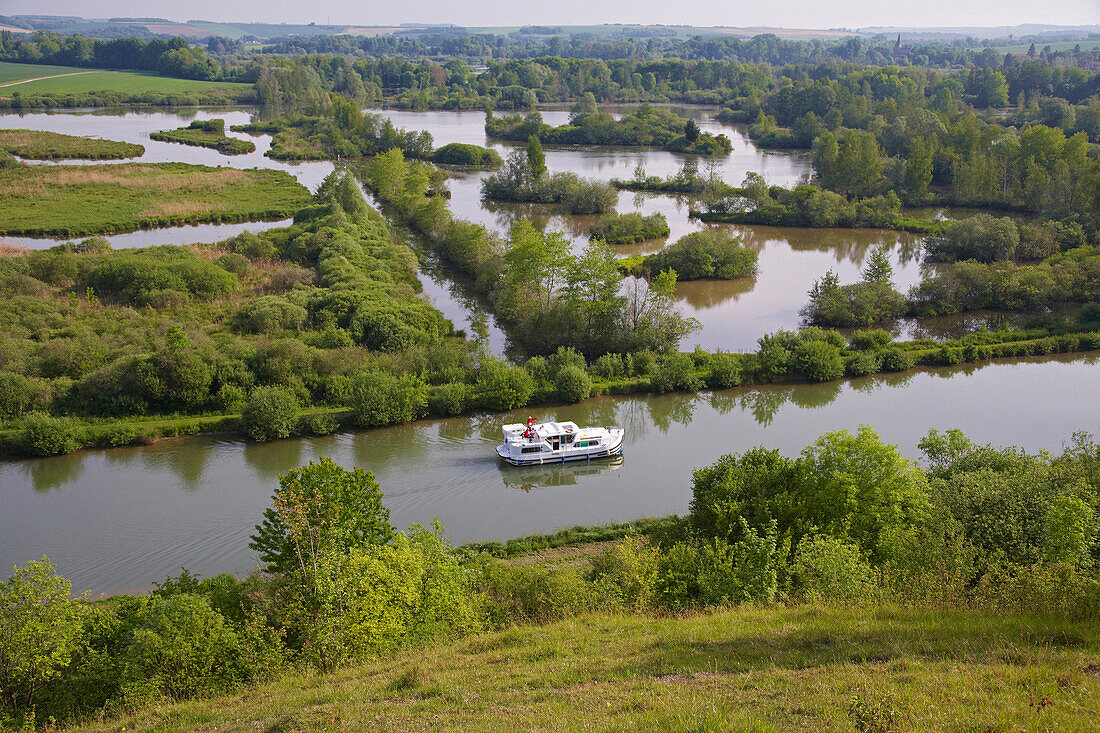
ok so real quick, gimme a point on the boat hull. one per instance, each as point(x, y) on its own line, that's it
point(571, 456)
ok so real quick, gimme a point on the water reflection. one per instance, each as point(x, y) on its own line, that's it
point(530, 478)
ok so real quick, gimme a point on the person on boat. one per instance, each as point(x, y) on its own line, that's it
point(529, 433)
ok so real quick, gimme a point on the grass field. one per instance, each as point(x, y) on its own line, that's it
point(76, 81)
point(42, 145)
point(804, 668)
point(68, 201)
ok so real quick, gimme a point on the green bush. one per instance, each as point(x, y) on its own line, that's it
point(897, 360)
point(45, 435)
point(464, 154)
point(501, 386)
point(318, 423)
point(826, 568)
point(862, 364)
point(708, 254)
point(529, 593)
point(573, 384)
point(872, 339)
point(739, 572)
point(238, 264)
point(609, 366)
point(450, 399)
point(271, 414)
point(176, 647)
point(725, 370)
point(674, 372)
point(818, 361)
point(271, 314)
point(377, 398)
point(18, 394)
point(625, 574)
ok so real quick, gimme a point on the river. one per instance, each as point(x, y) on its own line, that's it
point(121, 519)
point(124, 518)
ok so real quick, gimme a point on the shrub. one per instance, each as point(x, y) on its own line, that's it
point(271, 414)
point(565, 356)
point(674, 372)
point(271, 314)
point(626, 574)
point(39, 632)
point(589, 197)
point(872, 339)
point(501, 386)
point(725, 370)
point(238, 264)
point(739, 572)
point(818, 361)
point(609, 366)
point(231, 398)
point(897, 360)
point(17, 395)
point(450, 399)
point(176, 647)
point(629, 228)
point(678, 570)
point(379, 398)
point(826, 568)
point(861, 364)
point(707, 254)
point(318, 423)
point(573, 384)
point(529, 593)
point(45, 435)
point(464, 154)
point(982, 237)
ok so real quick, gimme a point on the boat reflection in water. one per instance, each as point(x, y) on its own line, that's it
point(527, 478)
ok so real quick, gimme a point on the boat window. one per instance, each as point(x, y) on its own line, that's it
point(567, 439)
point(533, 449)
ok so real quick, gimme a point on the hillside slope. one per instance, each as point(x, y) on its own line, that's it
point(803, 668)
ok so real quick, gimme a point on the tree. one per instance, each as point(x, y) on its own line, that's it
point(320, 508)
point(39, 631)
point(918, 170)
point(878, 269)
point(536, 158)
point(691, 131)
point(858, 486)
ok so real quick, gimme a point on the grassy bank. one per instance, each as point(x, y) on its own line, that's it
point(42, 145)
point(67, 201)
point(206, 134)
point(805, 668)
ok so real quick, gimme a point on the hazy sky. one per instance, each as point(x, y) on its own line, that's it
point(785, 13)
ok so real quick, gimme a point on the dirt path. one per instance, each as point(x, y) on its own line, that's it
point(40, 78)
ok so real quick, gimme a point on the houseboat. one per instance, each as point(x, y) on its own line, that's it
point(557, 442)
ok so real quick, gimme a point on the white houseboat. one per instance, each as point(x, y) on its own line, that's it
point(557, 442)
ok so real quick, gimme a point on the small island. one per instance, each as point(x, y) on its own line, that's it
point(206, 134)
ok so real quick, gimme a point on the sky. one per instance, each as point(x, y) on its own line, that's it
point(774, 13)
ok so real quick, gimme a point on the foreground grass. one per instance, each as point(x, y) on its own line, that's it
point(69, 201)
point(41, 145)
point(804, 668)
